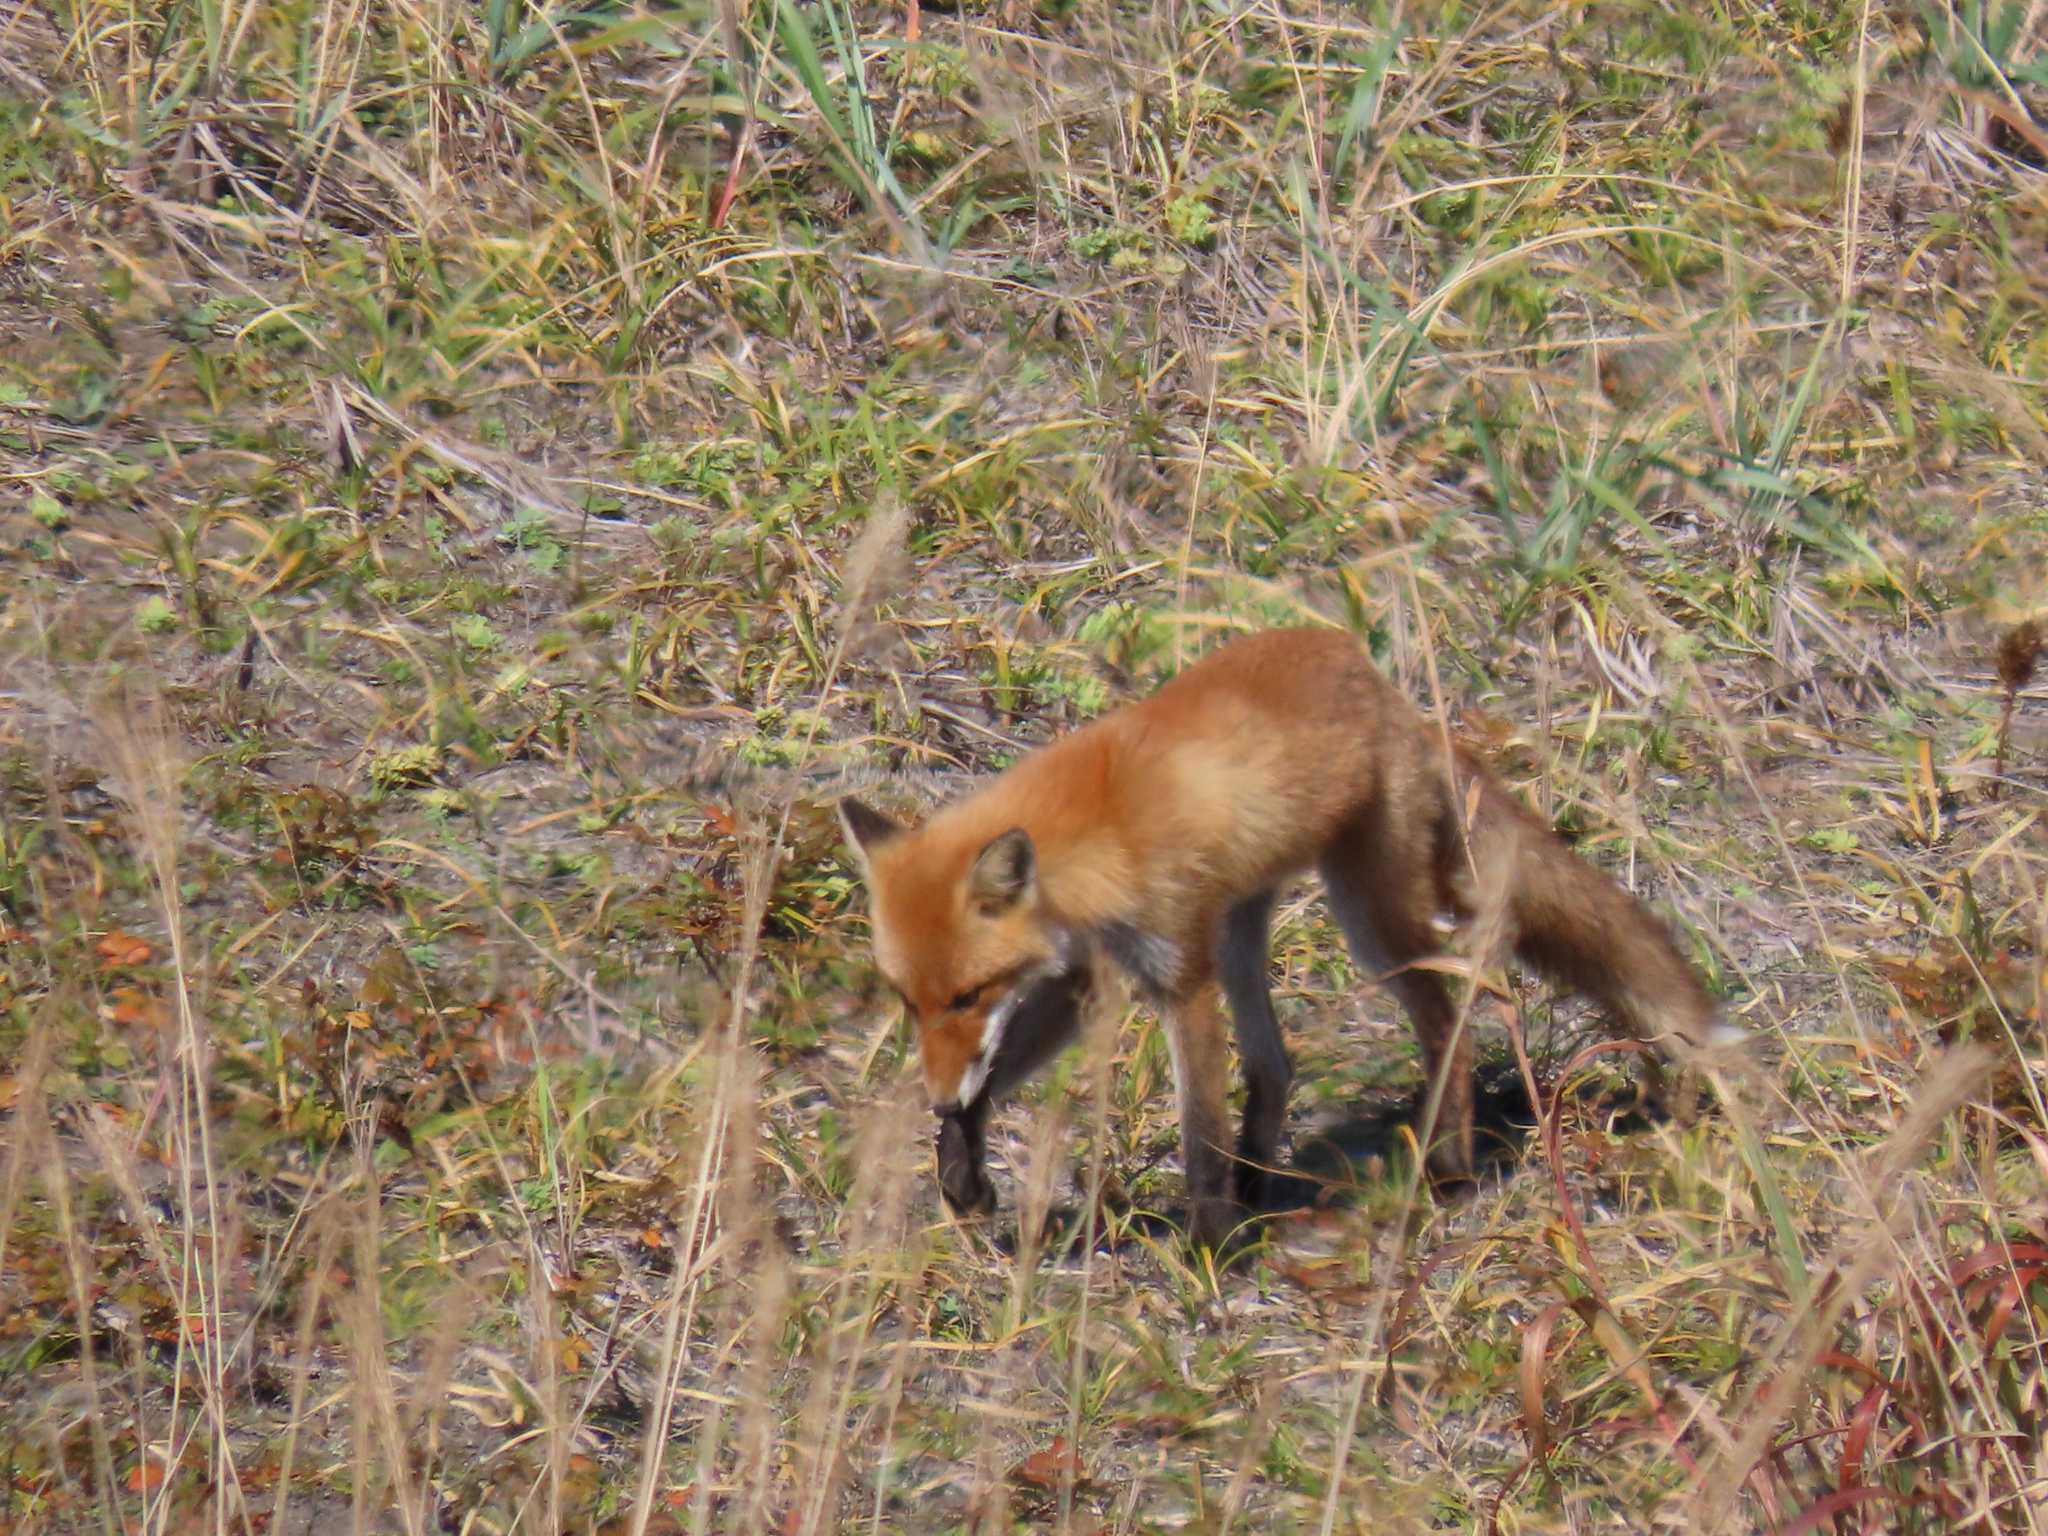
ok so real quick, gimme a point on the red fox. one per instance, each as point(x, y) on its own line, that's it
point(1157, 838)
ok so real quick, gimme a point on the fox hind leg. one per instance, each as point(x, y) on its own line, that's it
point(1243, 955)
point(1383, 898)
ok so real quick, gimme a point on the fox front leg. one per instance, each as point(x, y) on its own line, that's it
point(1194, 1033)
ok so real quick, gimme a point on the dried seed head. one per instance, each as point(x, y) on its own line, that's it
point(2019, 652)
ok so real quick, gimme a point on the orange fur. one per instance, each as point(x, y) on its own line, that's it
point(1156, 837)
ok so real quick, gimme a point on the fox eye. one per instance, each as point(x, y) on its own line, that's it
point(962, 1001)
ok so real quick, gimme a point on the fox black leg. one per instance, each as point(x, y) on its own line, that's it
point(1242, 958)
point(1194, 1031)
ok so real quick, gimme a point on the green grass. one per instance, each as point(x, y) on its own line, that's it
point(476, 482)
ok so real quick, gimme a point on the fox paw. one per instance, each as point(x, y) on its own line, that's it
point(1220, 1225)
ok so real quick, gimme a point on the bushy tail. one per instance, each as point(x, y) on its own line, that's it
point(1574, 922)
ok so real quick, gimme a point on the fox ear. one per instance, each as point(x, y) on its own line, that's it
point(1005, 872)
point(866, 828)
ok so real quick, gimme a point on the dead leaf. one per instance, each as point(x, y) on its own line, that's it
point(120, 949)
point(147, 1475)
point(1330, 1279)
point(1048, 1468)
point(135, 1008)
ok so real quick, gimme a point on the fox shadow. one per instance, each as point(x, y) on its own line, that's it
point(1340, 1163)
point(1335, 1161)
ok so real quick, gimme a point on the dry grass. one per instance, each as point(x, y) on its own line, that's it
point(429, 436)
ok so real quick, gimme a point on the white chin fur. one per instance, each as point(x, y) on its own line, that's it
point(975, 1078)
point(998, 1020)
point(972, 1079)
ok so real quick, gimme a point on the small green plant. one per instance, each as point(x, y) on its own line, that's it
point(1122, 248)
point(1126, 635)
point(404, 767)
point(533, 531)
point(1190, 221)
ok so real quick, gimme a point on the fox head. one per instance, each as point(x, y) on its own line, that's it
point(961, 934)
